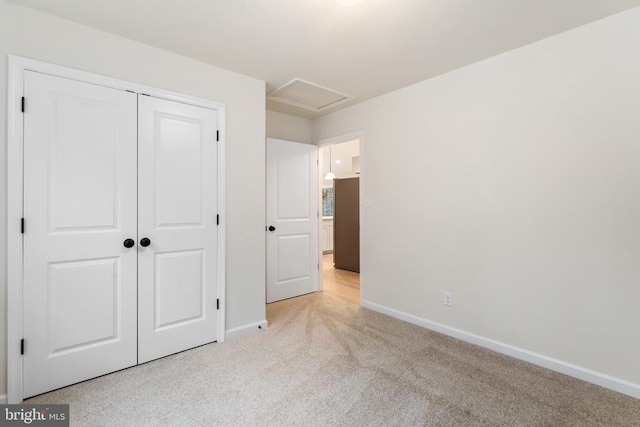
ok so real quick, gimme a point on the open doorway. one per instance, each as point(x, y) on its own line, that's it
point(340, 225)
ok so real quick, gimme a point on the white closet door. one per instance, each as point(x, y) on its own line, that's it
point(79, 207)
point(177, 208)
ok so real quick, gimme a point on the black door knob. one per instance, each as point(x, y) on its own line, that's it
point(272, 228)
point(145, 242)
point(128, 243)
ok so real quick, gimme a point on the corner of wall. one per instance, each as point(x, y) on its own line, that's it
point(245, 330)
point(579, 372)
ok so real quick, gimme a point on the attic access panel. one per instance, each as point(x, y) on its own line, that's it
point(307, 95)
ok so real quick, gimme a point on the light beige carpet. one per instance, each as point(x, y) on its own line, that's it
point(324, 362)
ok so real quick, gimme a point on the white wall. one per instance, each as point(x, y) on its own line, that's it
point(46, 38)
point(289, 128)
point(513, 183)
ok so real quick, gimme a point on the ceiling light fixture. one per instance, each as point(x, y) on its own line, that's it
point(347, 3)
point(330, 175)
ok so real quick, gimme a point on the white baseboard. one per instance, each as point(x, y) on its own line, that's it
point(3, 399)
point(246, 329)
point(603, 380)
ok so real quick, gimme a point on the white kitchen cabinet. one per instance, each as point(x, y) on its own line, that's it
point(326, 234)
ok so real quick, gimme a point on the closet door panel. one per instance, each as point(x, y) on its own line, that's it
point(177, 182)
point(80, 307)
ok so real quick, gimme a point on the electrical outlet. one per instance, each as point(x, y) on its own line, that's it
point(448, 299)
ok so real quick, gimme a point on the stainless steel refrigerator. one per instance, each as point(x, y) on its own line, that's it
point(346, 224)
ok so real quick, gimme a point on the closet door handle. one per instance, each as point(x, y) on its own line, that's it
point(128, 243)
point(144, 242)
point(272, 228)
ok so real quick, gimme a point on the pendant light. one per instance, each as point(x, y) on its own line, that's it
point(330, 175)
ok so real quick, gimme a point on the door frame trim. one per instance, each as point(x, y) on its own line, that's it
point(350, 136)
point(15, 192)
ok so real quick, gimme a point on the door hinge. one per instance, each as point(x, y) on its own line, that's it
point(23, 104)
point(21, 225)
point(22, 346)
point(217, 219)
point(218, 304)
point(217, 135)
point(318, 266)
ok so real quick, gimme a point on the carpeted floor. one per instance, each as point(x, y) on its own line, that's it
point(325, 362)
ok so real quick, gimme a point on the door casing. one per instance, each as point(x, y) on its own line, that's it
point(15, 91)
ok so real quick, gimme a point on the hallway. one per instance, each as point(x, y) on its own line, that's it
point(341, 284)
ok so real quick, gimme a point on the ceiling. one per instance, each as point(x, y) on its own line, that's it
point(364, 51)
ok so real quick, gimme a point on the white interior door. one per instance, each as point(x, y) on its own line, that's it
point(292, 219)
point(97, 297)
point(177, 271)
point(79, 207)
